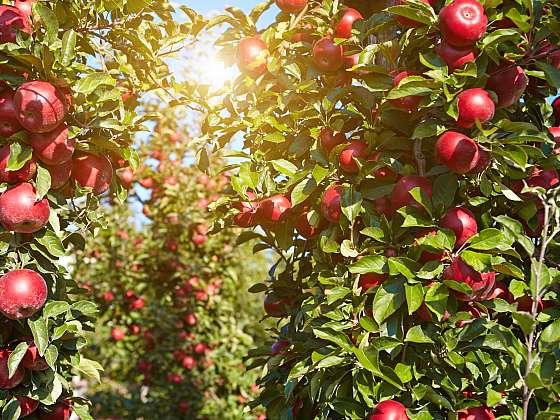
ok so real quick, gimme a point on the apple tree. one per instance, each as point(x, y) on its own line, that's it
point(400, 160)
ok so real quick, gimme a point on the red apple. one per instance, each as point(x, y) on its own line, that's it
point(305, 228)
point(330, 139)
point(25, 6)
point(556, 109)
point(369, 280)
point(60, 174)
point(93, 171)
point(404, 21)
point(482, 284)
point(401, 196)
point(40, 107)
point(330, 203)
point(117, 334)
point(184, 406)
point(476, 413)
point(462, 222)
point(385, 173)
point(275, 306)
point(537, 231)
point(382, 205)
point(21, 212)
point(9, 124)
point(273, 209)
point(23, 174)
point(54, 147)
point(291, 6)
point(12, 20)
point(462, 23)
point(455, 57)
point(509, 82)
point(278, 347)
point(457, 151)
point(484, 160)
point(252, 56)
point(108, 296)
point(328, 56)
point(61, 411)
point(32, 360)
point(190, 319)
point(27, 405)
point(355, 150)
point(247, 210)
point(126, 175)
point(388, 410)
point(408, 103)
point(5, 381)
point(199, 239)
point(525, 304)
point(472, 105)
point(343, 28)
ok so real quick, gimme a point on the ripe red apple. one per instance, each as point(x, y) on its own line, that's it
point(25, 6)
point(5, 381)
point(476, 413)
point(93, 171)
point(60, 174)
point(247, 211)
point(275, 306)
point(355, 150)
point(535, 232)
point(9, 124)
point(482, 284)
point(329, 139)
point(189, 362)
point(385, 173)
point(27, 405)
point(273, 209)
point(382, 205)
point(457, 151)
point(404, 21)
point(525, 304)
point(556, 109)
point(61, 411)
point(555, 132)
point(544, 178)
point(328, 56)
point(23, 174)
point(343, 28)
point(147, 182)
point(199, 239)
point(472, 105)
point(184, 406)
point(12, 20)
point(462, 222)
point(455, 57)
point(509, 82)
point(108, 296)
point(388, 410)
point(463, 22)
point(126, 175)
point(252, 56)
point(40, 107)
point(304, 227)
point(54, 147)
point(32, 360)
point(190, 319)
point(117, 334)
point(138, 303)
point(401, 196)
point(291, 6)
point(484, 160)
point(330, 203)
point(408, 103)
point(369, 280)
point(21, 212)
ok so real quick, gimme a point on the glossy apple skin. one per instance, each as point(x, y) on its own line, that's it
point(61, 411)
point(32, 360)
point(27, 406)
point(462, 222)
point(483, 162)
point(482, 284)
point(556, 109)
point(252, 56)
point(12, 20)
point(385, 173)
point(474, 104)
point(404, 21)
point(54, 147)
point(247, 210)
point(60, 174)
point(291, 6)
point(40, 107)
point(509, 83)
point(304, 227)
point(369, 280)
point(9, 124)
point(329, 139)
point(5, 381)
point(454, 57)
point(21, 212)
point(26, 173)
point(22, 293)
point(25, 6)
point(476, 413)
point(117, 334)
point(457, 151)
point(462, 23)
point(408, 103)
point(388, 410)
point(93, 171)
point(327, 56)
point(401, 196)
point(273, 209)
point(343, 28)
point(330, 203)
point(355, 150)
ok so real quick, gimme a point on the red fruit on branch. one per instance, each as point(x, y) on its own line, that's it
point(12, 20)
point(329, 139)
point(455, 57)
point(5, 381)
point(199, 239)
point(273, 209)
point(462, 222)
point(184, 406)
point(117, 334)
point(556, 109)
point(60, 174)
point(462, 23)
point(54, 147)
point(190, 319)
point(328, 56)
point(291, 6)
point(9, 124)
point(40, 107)
point(401, 196)
point(330, 203)
point(126, 175)
point(457, 151)
point(252, 56)
point(32, 360)
point(484, 160)
point(472, 105)
point(23, 174)
point(304, 227)
point(369, 280)
point(188, 362)
point(476, 413)
point(407, 22)
point(25, 6)
point(407, 103)
point(61, 411)
point(509, 82)
point(355, 150)
point(247, 211)
point(275, 306)
point(343, 28)
point(26, 405)
point(385, 173)
point(93, 171)
point(482, 284)
point(388, 410)
point(21, 212)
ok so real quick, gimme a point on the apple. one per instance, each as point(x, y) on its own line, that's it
point(525, 304)
point(343, 28)
point(26, 405)
point(388, 410)
point(199, 239)
point(305, 228)
point(23, 174)
point(54, 147)
point(537, 231)
point(330, 203)
point(462, 222)
point(382, 205)
point(509, 82)
point(483, 162)
point(126, 175)
point(291, 6)
point(355, 150)
point(32, 360)
point(404, 21)
point(385, 173)
point(184, 406)
point(275, 306)
point(61, 411)
point(328, 56)
point(60, 174)
point(476, 413)
point(544, 178)
point(9, 124)
point(247, 211)
point(93, 171)
point(462, 23)
point(556, 109)
point(12, 20)
point(20, 211)
point(555, 133)
point(273, 209)
point(188, 362)
point(278, 347)
point(330, 139)
point(190, 319)
point(472, 105)
point(40, 107)
point(457, 151)
point(25, 6)
point(108, 296)
point(340, 78)
point(5, 381)
point(174, 378)
point(482, 284)
point(369, 280)
point(252, 56)
point(117, 334)
point(147, 182)
point(455, 57)
point(138, 303)
point(401, 196)
point(407, 103)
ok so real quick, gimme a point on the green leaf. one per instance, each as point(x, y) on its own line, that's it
point(90, 83)
point(303, 190)
point(85, 307)
point(351, 203)
point(369, 264)
point(19, 156)
point(436, 299)
point(552, 73)
point(12, 410)
point(525, 321)
point(42, 182)
point(68, 47)
point(417, 335)
point(414, 296)
point(388, 299)
point(445, 188)
point(284, 167)
point(49, 19)
point(51, 356)
point(404, 266)
point(337, 338)
point(40, 334)
point(551, 334)
point(275, 137)
point(52, 242)
point(489, 239)
point(55, 308)
point(89, 368)
point(15, 358)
